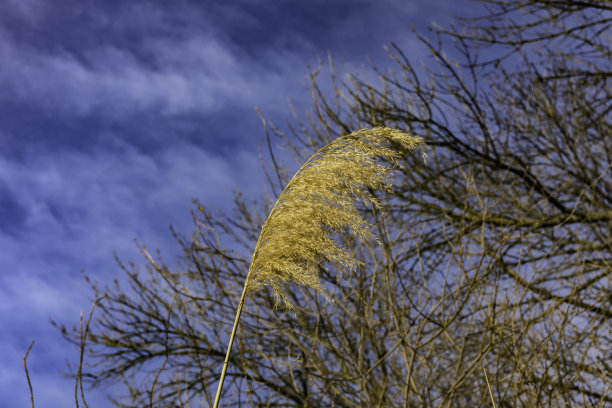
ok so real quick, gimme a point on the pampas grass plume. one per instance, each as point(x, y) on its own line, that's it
point(319, 201)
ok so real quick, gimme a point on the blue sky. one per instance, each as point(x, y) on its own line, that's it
point(114, 115)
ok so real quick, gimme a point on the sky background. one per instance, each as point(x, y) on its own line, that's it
point(114, 115)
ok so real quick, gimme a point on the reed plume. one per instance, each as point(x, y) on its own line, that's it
point(296, 238)
point(318, 201)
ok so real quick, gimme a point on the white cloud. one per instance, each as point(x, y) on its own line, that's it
point(26, 296)
point(108, 197)
point(198, 75)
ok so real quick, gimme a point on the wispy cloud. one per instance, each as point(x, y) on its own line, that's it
point(112, 196)
point(29, 10)
point(77, 207)
point(198, 75)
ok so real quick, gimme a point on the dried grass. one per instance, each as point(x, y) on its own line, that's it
point(297, 237)
point(319, 201)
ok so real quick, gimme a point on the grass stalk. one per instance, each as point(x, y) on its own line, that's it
point(318, 201)
point(229, 346)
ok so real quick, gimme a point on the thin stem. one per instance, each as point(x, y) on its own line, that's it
point(489, 386)
point(229, 346)
point(25, 365)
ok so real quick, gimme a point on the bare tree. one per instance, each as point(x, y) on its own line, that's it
point(495, 261)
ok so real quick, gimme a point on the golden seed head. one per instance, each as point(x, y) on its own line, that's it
point(296, 238)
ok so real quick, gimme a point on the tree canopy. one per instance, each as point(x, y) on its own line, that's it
point(493, 277)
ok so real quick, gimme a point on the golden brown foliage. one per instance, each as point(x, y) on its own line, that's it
point(320, 200)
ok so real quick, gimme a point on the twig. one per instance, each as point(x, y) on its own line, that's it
point(488, 386)
point(78, 384)
point(25, 365)
point(161, 368)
